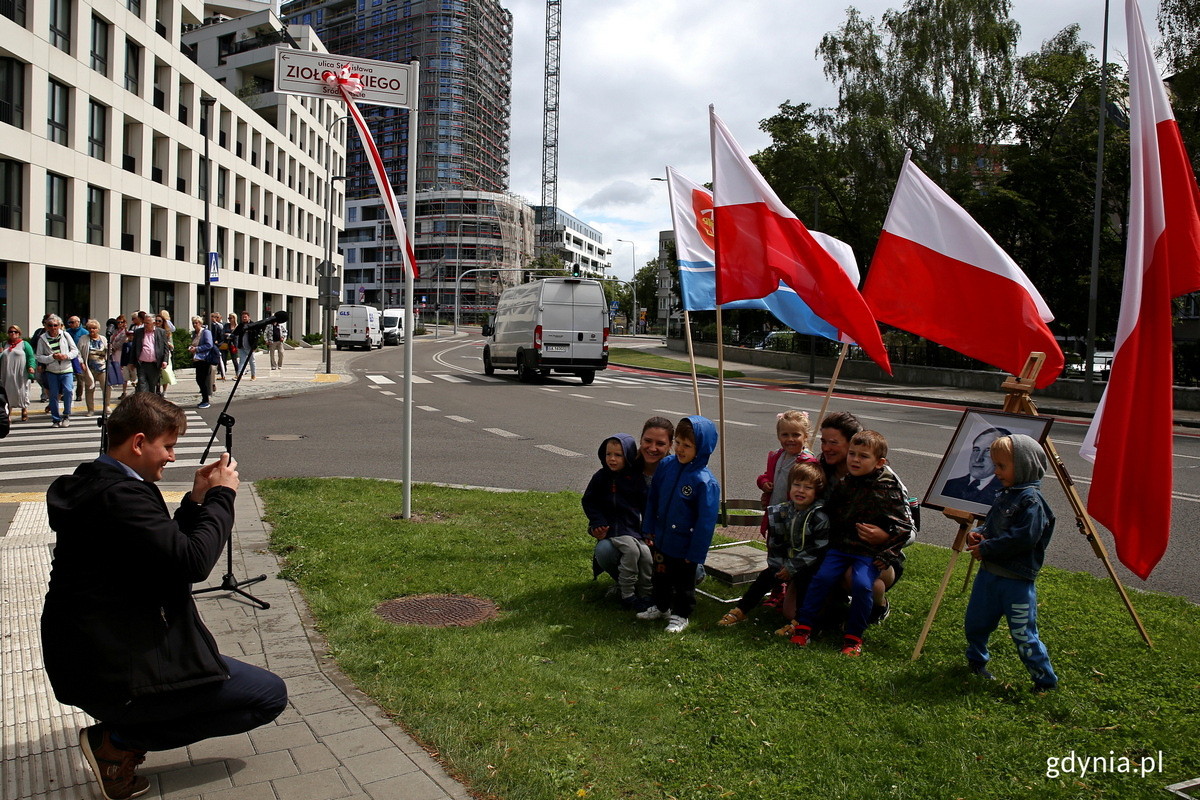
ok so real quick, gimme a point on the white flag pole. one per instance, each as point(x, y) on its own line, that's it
point(712, 143)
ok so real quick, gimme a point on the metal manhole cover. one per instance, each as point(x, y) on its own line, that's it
point(284, 437)
point(437, 610)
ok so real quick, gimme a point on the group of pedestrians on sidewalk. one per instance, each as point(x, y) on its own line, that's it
point(68, 363)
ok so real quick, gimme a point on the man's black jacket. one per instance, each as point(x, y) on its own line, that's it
point(119, 620)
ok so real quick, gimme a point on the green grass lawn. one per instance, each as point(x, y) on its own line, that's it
point(565, 695)
point(633, 357)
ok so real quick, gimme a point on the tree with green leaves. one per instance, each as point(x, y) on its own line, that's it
point(1041, 210)
point(1179, 24)
point(935, 77)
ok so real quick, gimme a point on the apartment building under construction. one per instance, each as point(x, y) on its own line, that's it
point(465, 51)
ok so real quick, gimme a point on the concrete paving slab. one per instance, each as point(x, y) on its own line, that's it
point(303, 754)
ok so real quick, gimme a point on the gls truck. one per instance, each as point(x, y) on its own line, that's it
point(358, 326)
point(552, 324)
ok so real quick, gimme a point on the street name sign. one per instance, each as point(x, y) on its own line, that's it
point(385, 83)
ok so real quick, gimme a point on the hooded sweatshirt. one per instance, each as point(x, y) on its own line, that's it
point(617, 499)
point(681, 510)
point(1020, 523)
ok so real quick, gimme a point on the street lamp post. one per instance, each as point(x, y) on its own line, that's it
point(326, 317)
point(633, 283)
point(206, 103)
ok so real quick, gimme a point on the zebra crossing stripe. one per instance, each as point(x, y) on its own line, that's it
point(558, 451)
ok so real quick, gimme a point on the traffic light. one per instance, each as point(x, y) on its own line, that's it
point(575, 270)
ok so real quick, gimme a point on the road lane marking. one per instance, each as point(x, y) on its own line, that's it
point(916, 452)
point(459, 419)
point(558, 451)
point(380, 379)
point(427, 408)
point(504, 433)
point(619, 403)
point(489, 379)
point(451, 378)
point(548, 389)
point(388, 394)
point(584, 396)
point(670, 413)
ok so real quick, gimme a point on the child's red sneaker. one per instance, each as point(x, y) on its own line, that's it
point(802, 636)
point(851, 645)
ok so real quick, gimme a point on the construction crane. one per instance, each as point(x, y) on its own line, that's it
point(548, 236)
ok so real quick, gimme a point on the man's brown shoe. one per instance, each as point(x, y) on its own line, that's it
point(112, 766)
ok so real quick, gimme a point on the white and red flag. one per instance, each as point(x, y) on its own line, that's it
point(935, 269)
point(760, 242)
point(349, 84)
point(1130, 439)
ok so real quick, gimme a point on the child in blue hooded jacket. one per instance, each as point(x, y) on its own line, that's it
point(681, 515)
point(613, 502)
point(1011, 547)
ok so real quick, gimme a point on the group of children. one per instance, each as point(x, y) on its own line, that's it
point(825, 529)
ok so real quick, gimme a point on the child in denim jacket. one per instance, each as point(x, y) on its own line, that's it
point(1011, 546)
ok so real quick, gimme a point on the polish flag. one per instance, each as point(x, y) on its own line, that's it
point(1131, 436)
point(692, 218)
point(938, 274)
point(759, 243)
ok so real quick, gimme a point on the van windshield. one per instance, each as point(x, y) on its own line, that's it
point(391, 322)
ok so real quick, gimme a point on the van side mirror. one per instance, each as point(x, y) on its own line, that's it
point(487, 330)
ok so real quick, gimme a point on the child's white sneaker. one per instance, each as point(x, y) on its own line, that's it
point(653, 612)
point(676, 624)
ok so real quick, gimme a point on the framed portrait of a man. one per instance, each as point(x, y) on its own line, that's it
point(966, 479)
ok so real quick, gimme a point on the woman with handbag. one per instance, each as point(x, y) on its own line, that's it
point(93, 352)
point(116, 348)
point(204, 355)
point(17, 368)
point(167, 374)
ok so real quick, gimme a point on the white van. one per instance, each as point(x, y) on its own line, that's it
point(393, 325)
point(553, 324)
point(358, 326)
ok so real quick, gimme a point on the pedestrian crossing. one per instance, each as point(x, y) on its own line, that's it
point(33, 450)
point(623, 379)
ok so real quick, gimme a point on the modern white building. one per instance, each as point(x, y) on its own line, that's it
point(103, 177)
point(574, 241)
point(485, 237)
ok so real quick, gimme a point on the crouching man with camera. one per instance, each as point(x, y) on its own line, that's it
point(121, 635)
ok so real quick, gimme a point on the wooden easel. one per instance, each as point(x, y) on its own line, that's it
point(1018, 401)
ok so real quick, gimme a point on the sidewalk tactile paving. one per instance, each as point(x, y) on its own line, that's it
point(329, 743)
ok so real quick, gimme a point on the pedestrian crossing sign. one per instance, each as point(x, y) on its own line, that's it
point(214, 267)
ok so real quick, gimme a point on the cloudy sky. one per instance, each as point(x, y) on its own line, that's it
point(637, 78)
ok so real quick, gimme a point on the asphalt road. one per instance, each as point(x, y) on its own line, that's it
point(544, 436)
point(495, 431)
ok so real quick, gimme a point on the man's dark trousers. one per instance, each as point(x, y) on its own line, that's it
point(149, 375)
point(251, 697)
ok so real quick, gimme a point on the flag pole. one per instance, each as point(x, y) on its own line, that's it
point(712, 143)
point(833, 380)
point(721, 407)
point(687, 328)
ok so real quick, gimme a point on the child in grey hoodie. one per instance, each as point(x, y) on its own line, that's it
point(1011, 547)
